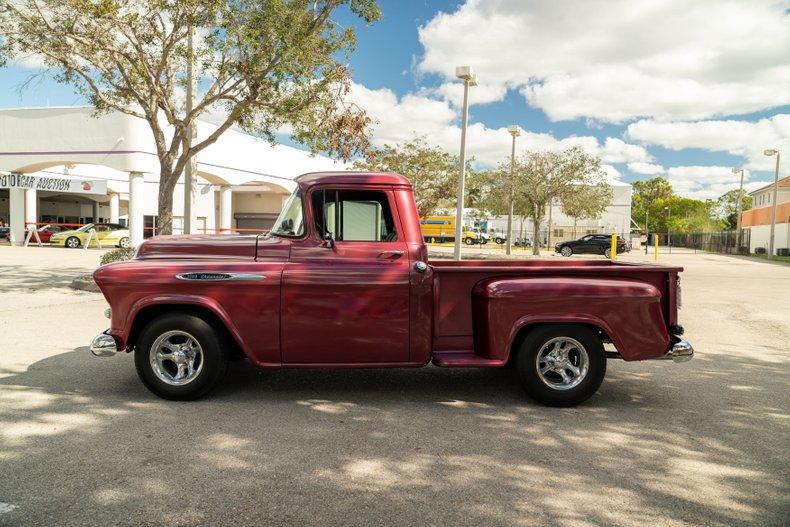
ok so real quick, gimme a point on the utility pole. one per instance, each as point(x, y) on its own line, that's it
point(773, 152)
point(515, 132)
point(191, 167)
point(738, 211)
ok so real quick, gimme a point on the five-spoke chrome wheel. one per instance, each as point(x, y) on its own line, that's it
point(562, 363)
point(566, 251)
point(176, 358)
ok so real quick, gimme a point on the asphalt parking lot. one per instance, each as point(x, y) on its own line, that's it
point(702, 443)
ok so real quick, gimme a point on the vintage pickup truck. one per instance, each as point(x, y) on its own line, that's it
point(343, 281)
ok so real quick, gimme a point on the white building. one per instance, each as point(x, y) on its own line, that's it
point(758, 219)
point(105, 168)
point(616, 218)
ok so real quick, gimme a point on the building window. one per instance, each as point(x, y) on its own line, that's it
point(559, 233)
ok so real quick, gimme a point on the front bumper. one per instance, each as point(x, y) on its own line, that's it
point(103, 345)
point(681, 351)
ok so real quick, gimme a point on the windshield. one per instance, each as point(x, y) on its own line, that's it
point(85, 228)
point(290, 222)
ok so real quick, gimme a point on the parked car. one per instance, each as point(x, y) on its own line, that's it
point(523, 242)
point(355, 289)
point(500, 238)
point(591, 244)
point(108, 234)
point(5, 233)
point(46, 232)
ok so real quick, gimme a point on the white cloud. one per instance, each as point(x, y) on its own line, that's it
point(649, 169)
point(707, 182)
point(741, 138)
point(619, 60)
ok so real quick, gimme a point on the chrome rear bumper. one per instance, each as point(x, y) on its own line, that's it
point(103, 345)
point(681, 351)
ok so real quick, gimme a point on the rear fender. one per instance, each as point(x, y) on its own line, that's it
point(627, 311)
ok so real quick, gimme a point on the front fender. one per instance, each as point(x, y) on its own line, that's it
point(628, 311)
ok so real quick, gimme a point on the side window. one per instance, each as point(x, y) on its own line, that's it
point(354, 215)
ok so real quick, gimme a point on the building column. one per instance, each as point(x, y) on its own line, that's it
point(16, 216)
point(31, 206)
point(225, 206)
point(115, 207)
point(136, 210)
point(95, 211)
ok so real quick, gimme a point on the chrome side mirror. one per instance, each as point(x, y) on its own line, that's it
point(329, 241)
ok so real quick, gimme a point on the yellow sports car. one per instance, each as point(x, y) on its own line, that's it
point(108, 234)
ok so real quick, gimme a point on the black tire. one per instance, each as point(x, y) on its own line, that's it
point(469, 241)
point(72, 242)
point(500, 241)
point(607, 252)
point(215, 353)
point(527, 365)
point(124, 242)
point(566, 251)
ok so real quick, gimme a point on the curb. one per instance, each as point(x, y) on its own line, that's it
point(85, 283)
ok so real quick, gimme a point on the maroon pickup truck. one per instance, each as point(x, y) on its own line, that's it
point(343, 281)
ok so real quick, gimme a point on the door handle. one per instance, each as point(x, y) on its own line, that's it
point(390, 255)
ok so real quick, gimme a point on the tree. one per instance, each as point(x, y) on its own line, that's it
point(432, 171)
point(264, 66)
point(541, 177)
point(727, 208)
point(646, 194)
point(586, 202)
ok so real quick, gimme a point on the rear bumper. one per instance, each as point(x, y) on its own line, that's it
point(103, 345)
point(681, 351)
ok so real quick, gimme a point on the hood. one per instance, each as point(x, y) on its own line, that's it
point(213, 246)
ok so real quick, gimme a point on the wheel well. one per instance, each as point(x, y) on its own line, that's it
point(523, 332)
point(149, 313)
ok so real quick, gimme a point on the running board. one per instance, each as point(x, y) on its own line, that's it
point(464, 359)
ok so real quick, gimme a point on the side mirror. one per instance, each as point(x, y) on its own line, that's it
point(329, 241)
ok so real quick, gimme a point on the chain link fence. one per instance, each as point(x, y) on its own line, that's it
point(726, 242)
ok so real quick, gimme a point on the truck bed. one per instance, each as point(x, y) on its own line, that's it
point(455, 281)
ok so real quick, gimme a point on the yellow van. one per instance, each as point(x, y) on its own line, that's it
point(438, 229)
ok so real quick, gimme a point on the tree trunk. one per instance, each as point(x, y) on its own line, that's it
point(574, 228)
point(167, 184)
point(536, 234)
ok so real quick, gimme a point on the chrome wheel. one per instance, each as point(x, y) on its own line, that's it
point(72, 242)
point(124, 243)
point(566, 251)
point(176, 358)
point(562, 363)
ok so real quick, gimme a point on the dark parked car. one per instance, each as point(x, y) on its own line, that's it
point(591, 244)
point(4, 232)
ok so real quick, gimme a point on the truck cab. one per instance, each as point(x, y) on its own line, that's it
point(343, 280)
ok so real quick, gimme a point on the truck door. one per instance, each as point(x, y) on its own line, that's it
point(348, 302)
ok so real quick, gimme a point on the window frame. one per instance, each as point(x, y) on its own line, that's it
point(388, 194)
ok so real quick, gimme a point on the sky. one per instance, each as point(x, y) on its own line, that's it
point(671, 88)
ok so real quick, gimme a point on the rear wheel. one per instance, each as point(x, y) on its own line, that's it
point(469, 241)
point(500, 241)
point(607, 252)
point(124, 243)
point(566, 251)
point(181, 356)
point(561, 364)
point(72, 242)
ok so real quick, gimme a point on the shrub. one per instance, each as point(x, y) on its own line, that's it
point(117, 255)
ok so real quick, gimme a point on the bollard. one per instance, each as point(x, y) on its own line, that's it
point(614, 247)
point(655, 255)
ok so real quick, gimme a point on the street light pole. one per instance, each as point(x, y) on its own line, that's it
point(515, 132)
point(466, 74)
point(738, 211)
point(773, 152)
point(669, 228)
point(190, 168)
point(647, 230)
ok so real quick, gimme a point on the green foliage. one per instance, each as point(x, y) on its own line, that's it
point(727, 207)
point(587, 201)
point(117, 255)
point(432, 171)
point(263, 65)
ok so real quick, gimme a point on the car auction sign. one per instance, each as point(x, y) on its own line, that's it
point(62, 184)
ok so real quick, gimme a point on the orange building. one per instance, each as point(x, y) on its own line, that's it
point(758, 219)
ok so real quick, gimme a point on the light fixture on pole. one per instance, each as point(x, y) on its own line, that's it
point(466, 74)
point(738, 211)
point(773, 152)
point(515, 131)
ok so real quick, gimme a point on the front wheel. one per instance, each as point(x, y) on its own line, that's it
point(469, 241)
point(608, 252)
point(72, 242)
point(180, 356)
point(124, 243)
point(500, 241)
point(561, 364)
point(566, 251)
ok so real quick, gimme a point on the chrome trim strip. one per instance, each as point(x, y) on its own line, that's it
point(219, 276)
